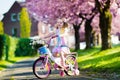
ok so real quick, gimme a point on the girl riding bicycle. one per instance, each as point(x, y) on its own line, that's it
point(60, 49)
point(65, 61)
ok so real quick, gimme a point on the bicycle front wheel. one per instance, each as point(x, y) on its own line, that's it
point(41, 69)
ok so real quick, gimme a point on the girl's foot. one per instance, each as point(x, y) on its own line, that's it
point(62, 73)
point(77, 72)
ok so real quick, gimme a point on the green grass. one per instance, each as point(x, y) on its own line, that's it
point(91, 59)
point(101, 61)
point(4, 64)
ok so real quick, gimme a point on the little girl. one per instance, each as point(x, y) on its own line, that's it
point(60, 49)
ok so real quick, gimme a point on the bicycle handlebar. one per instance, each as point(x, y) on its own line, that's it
point(40, 41)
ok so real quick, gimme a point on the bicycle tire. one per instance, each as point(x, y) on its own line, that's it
point(41, 70)
point(72, 65)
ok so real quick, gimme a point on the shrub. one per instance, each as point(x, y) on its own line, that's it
point(12, 43)
point(1, 28)
point(2, 43)
point(24, 48)
point(9, 47)
point(25, 23)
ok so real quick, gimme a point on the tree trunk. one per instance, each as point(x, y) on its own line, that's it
point(105, 26)
point(105, 23)
point(77, 37)
point(99, 39)
point(88, 35)
point(94, 38)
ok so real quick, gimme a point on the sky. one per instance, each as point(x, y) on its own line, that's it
point(5, 5)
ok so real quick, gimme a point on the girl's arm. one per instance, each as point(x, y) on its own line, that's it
point(49, 35)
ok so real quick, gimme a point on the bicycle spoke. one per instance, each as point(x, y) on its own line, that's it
point(40, 69)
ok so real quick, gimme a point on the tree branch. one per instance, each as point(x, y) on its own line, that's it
point(98, 5)
point(81, 22)
point(107, 5)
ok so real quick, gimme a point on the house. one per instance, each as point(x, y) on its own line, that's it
point(11, 21)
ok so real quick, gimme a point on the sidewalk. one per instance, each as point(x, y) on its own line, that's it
point(19, 70)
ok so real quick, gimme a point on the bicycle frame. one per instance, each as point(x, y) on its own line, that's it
point(47, 56)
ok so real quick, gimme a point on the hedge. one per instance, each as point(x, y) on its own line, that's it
point(2, 43)
point(11, 47)
point(24, 48)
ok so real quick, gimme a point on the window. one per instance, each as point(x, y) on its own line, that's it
point(15, 17)
point(18, 16)
point(43, 29)
point(51, 29)
point(14, 31)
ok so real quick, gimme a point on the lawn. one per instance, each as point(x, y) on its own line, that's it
point(101, 61)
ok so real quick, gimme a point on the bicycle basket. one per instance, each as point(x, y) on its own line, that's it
point(43, 50)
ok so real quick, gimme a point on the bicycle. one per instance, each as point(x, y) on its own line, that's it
point(46, 62)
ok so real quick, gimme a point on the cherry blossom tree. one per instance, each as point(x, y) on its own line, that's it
point(88, 27)
point(105, 20)
point(75, 12)
point(50, 11)
point(115, 9)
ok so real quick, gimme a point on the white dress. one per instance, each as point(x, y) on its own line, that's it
point(61, 43)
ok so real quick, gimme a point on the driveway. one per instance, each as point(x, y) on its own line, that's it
point(23, 71)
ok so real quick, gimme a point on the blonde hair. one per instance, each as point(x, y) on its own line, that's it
point(65, 25)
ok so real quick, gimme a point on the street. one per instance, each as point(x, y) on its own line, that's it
point(23, 71)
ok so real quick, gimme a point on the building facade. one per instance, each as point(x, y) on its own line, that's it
point(11, 21)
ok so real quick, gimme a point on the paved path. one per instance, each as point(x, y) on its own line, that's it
point(23, 71)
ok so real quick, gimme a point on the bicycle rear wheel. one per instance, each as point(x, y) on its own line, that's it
point(41, 69)
point(72, 64)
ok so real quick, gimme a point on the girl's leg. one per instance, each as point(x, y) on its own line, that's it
point(64, 51)
point(62, 58)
